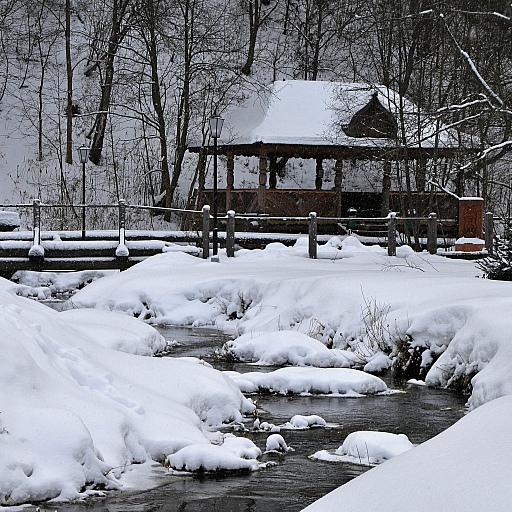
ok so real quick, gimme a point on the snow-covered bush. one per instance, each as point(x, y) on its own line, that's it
point(499, 265)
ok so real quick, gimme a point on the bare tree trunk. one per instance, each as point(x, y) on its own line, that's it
point(183, 122)
point(117, 33)
point(69, 76)
point(256, 18)
point(254, 25)
point(156, 98)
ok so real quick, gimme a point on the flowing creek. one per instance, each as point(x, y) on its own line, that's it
point(296, 480)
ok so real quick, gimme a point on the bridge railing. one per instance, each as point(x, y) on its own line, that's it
point(199, 220)
point(42, 219)
point(383, 229)
point(393, 227)
point(68, 217)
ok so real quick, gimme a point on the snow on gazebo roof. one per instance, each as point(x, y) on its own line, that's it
point(318, 113)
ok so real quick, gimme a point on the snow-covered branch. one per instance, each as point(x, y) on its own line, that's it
point(472, 65)
point(441, 187)
point(486, 152)
point(482, 101)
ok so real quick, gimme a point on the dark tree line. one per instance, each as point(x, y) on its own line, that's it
point(139, 78)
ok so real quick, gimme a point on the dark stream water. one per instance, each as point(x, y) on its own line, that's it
point(295, 481)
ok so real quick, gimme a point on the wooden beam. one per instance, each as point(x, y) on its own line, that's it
point(386, 187)
point(319, 174)
point(338, 180)
point(262, 188)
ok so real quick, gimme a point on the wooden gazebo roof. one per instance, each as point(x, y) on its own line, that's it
point(318, 119)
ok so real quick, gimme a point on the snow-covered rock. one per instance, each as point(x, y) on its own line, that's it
point(301, 422)
point(368, 447)
point(283, 348)
point(338, 381)
point(276, 443)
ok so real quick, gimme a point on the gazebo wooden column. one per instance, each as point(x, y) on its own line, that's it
point(319, 174)
point(272, 178)
point(262, 188)
point(386, 187)
point(338, 178)
point(230, 178)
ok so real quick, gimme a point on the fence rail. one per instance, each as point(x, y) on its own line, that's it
point(202, 222)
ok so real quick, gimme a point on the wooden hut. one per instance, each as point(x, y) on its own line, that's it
point(343, 122)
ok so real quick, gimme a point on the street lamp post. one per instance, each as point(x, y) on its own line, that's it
point(216, 123)
point(83, 154)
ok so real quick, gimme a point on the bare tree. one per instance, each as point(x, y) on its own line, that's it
point(318, 27)
point(259, 12)
point(119, 15)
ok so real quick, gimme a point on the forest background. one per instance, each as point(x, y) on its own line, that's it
point(137, 79)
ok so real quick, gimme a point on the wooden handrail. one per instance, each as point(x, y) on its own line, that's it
point(389, 222)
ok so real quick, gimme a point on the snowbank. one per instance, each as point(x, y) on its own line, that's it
point(370, 308)
point(75, 412)
point(115, 331)
point(79, 404)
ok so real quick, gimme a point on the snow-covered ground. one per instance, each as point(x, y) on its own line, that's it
point(90, 373)
point(354, 299)
point(79, 404)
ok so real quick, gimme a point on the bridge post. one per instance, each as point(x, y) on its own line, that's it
point(122, 251)
point(230, 235)
point(392, 234)
point(37, 221)
point(206, 231)
point(36, 252)
point(313, 231)
point(432, 234)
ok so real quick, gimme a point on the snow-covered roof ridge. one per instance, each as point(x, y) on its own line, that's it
point(316, 113)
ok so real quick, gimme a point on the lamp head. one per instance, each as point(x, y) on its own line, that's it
point(216, 123)
point(83, 153)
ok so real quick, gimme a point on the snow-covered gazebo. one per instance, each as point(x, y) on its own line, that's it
point(323, 120)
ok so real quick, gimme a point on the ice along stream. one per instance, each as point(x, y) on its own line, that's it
point(295, 480)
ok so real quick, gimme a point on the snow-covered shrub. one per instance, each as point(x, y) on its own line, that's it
point(499, 265)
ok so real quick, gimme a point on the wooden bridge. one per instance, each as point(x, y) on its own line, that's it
point(39, 249)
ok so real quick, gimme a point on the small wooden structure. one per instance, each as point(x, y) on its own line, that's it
point(471, 232)
point(328, 120)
